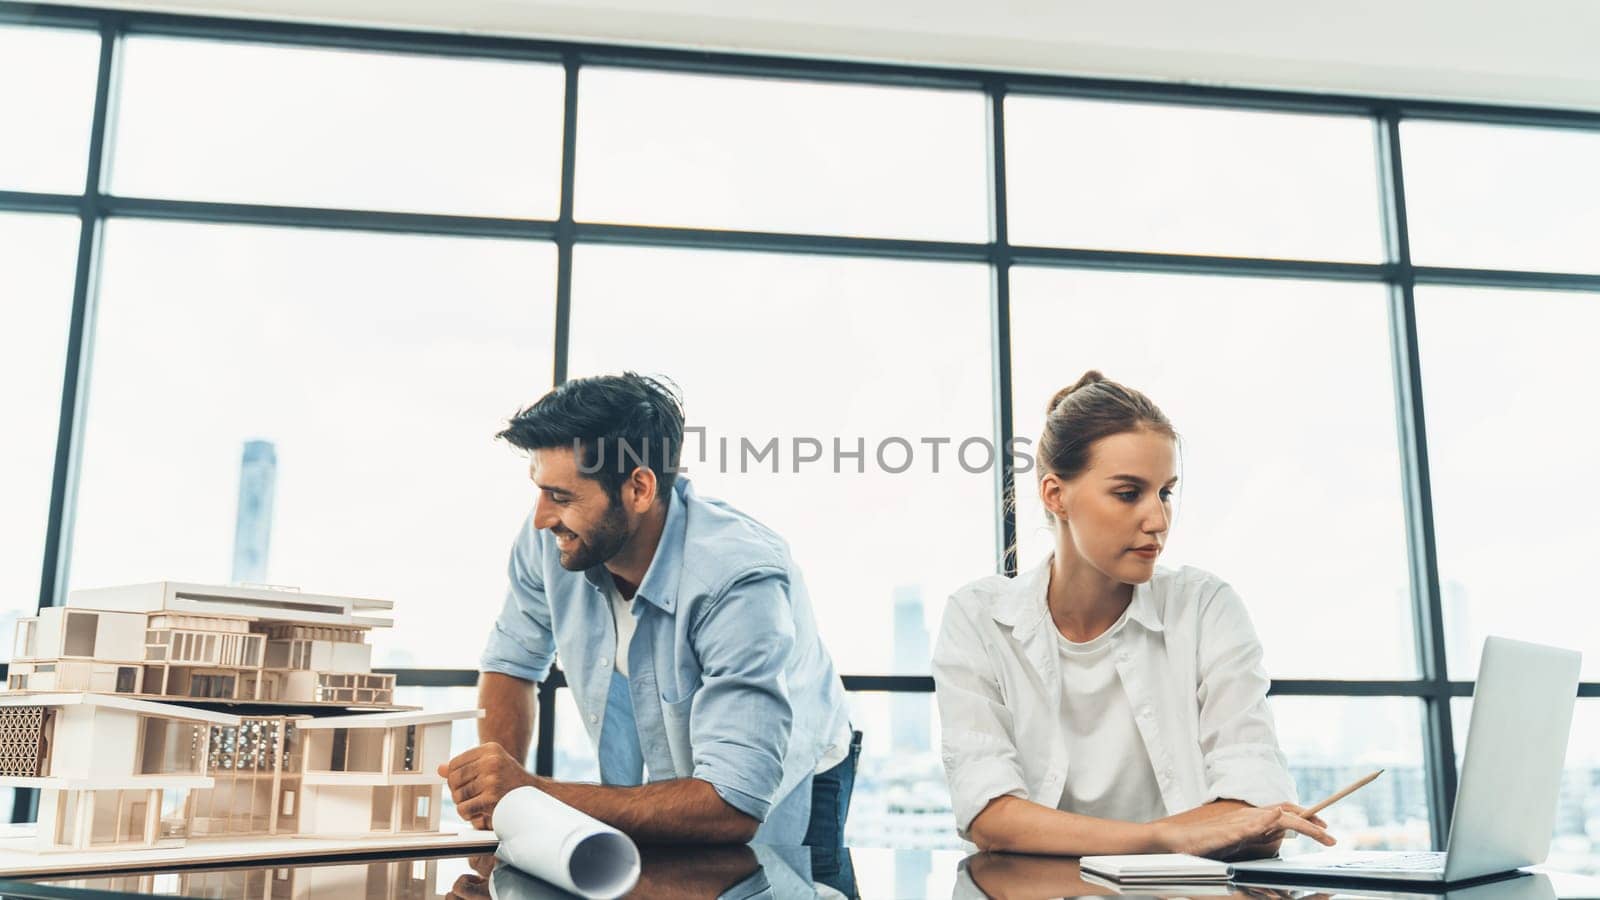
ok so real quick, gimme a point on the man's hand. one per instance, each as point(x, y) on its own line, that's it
point(478, 779)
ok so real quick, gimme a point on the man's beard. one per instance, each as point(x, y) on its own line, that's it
point(604, 541)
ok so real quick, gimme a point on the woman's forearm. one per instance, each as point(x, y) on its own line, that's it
point(1015, 825)
point(1209, 811)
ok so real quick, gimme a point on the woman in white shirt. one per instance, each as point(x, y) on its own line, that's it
point(1098, 704)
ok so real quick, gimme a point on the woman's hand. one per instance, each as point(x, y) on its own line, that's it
point(1301, 812)
point(1238, 831)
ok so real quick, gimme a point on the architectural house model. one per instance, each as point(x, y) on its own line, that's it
point(104, 716)
point(239, 644)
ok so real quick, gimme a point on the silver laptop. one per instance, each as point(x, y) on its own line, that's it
point(1521, 717)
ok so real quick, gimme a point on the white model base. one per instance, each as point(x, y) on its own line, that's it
point(18, 855)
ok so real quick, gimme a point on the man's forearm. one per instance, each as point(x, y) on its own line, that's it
point(509, 705)
point(678, 811)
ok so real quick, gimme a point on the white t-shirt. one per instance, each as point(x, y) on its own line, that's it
point(623, 621)
point(1110, 775)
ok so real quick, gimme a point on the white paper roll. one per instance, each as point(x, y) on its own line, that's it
point(547, 838)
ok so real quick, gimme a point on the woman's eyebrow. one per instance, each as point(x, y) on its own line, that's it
point(1134, 479)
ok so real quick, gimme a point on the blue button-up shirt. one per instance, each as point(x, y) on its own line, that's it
point(730, 681)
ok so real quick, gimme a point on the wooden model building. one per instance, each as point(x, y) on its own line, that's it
point(98, 717)
point(239, 644)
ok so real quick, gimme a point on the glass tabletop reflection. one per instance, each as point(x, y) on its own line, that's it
point(732, 872)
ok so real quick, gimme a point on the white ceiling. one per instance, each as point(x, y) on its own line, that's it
point(1534, 52)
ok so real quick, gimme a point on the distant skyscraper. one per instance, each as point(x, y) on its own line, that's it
point(252, 530)
point(909, 712)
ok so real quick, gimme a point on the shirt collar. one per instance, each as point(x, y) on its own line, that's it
point(1025, 605)
point(1143, 609)
point(660, 584)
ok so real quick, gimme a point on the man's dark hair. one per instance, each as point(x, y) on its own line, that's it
point(614, 423)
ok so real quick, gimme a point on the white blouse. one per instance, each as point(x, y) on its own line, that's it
point(1188, 659)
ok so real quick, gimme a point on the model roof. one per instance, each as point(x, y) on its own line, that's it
point(389, 719)
point(114, 701)
point(273, 604)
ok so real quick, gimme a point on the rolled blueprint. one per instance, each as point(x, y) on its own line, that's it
point(547, 838)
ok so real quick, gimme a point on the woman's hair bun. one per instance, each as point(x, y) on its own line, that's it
point(1092, 376)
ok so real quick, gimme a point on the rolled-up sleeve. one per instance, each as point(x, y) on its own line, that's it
point(1238, 741)
point(976, 737)
point(741, 716)
point(522, 644)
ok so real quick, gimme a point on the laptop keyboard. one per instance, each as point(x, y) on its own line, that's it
point(1406, 861)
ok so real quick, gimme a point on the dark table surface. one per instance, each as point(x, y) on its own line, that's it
point(732, 872)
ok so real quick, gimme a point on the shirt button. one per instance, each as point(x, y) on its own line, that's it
point(604, 662)
point(593, 718)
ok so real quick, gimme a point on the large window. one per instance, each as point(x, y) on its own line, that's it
point(1517, 198)
point(318, 278)
point(1127, 176)
point(1512, 446)
point(46, 143)
point(784, 362)
point(780, 155)
point(1289, 482)
point(37, 253)
point(375, 366)
point(334, 128)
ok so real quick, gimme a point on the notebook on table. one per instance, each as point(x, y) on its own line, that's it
point(1162, 889)
point(1147, 869)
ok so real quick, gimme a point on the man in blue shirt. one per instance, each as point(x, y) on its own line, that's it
point(685, 632)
